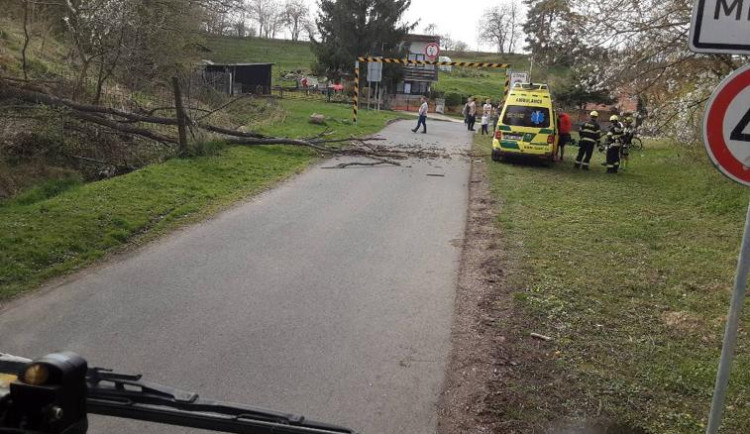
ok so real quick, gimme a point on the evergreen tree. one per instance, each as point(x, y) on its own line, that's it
point(352, 28)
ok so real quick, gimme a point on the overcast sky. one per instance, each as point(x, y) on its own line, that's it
point(458, 18)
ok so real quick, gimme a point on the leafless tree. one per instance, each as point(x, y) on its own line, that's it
point(265, 13)
point(447, 43)
point(294, 17)
point(430, 29)
point(500, 25)
point(514, 24)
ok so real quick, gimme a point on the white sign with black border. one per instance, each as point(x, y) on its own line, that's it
point(720, 26)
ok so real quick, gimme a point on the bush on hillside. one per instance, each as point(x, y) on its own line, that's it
point(453, 98)
point(434, 93)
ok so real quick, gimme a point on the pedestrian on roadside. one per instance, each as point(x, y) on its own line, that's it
point(495, 117)
point(465, 112)
point(485, 123)
point(472, 110)
point(487, 107)
point(590, 133)
point(422, 116)
point(563, 126)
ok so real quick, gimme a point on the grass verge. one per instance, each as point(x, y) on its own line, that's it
point(631, 277)
point(56, 230)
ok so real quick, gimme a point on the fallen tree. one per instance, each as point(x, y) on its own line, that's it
point(136, 124)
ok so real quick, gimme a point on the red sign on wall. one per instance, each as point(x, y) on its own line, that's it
point(432, 51)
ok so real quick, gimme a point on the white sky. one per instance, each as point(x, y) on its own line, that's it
point(458, 18)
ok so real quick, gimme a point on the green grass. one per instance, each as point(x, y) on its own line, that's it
point(44, 54)
point(285, 55)
point(631, 275)
point(339, 119)
point(488, 82)
point(62, 226)
point(292, 56)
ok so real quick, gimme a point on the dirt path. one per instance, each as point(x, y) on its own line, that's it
point(474, 359)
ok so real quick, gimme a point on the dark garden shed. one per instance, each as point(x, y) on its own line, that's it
point(245, 77)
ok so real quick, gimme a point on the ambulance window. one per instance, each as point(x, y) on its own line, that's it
point(526, 116)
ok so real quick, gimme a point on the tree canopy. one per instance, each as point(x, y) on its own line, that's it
point(352, 28)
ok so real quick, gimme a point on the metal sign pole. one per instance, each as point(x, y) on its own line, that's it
point(377, 94)
point(355, 103)
point(730, 333)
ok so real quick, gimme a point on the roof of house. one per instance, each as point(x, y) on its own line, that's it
point(422, 38)
point(208, 62)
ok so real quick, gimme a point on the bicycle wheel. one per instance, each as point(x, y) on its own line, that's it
point(636, 144)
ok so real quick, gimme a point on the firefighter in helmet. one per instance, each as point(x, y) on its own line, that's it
point(627, 138)
point(589, 135)
point(614, 142)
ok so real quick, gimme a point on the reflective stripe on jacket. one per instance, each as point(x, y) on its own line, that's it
point(590, 132)
point(615, 132)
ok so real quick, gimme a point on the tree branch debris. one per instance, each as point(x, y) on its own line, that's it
point(136, 124)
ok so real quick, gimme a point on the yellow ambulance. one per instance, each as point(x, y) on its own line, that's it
point(527, 124)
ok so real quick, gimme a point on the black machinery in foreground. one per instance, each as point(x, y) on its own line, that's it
point(54, 394)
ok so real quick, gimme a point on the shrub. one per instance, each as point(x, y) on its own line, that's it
point(453, 98)
point(434, 93)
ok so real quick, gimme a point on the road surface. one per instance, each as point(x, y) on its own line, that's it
point(330, 296)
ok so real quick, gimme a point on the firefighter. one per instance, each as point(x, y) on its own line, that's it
point(589, 135)
point(614, 143)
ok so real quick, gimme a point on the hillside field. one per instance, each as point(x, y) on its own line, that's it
point(293, 56)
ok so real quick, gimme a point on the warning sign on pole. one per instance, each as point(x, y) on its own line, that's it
point(726, 135)
point(726, 126)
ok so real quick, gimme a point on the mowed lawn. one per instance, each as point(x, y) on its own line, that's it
point(631, 276)
point(54, 229)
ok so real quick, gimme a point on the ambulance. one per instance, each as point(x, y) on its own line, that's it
point(527, 125)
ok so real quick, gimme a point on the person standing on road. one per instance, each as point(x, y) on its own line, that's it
point(495, 117)
point(614, 138)
point(422, 117)
point(589, 135)
point(485, 123)
point(563, 127)
point(487, 107)
point(472, 110)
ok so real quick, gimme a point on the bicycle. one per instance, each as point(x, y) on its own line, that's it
point(636, 144)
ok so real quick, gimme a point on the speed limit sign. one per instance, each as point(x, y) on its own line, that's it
point(726, 126)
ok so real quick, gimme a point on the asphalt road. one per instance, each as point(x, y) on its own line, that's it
point(330, 296)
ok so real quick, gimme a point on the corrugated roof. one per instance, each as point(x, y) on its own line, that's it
point(241, 64)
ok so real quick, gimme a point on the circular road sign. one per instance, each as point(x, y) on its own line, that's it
point(432, 50)
point(726, 126)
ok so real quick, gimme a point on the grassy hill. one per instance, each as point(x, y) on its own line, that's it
point(293, 56)
point(44, 53)
point(285, 55)
point(489, 81)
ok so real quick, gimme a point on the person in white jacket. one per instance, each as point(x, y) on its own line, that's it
point(422, 117)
